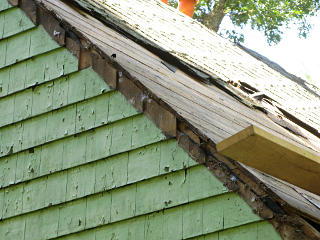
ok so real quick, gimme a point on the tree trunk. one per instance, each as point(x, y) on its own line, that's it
point(214, 18)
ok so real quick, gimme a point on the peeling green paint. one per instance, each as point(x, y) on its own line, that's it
point(67, 153)
point(105, 174)
point(170, 224)
point(25, 45)
point(77, 161)
point(72, 120)
point(36, 70)
point(125, 206)
point(13, 21)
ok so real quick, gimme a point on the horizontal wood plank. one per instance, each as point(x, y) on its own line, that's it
point(262, 150)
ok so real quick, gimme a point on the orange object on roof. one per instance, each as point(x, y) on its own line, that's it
point(187, 6)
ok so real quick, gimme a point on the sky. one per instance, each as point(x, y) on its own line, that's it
point(297, 55)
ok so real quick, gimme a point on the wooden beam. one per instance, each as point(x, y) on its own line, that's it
point(262, 150)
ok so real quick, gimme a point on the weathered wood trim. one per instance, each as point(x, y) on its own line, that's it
point(262, 200)
point(52, 26)
point(164, 119)
point(14, 2)
point(294, 228)
point(107, 72)
point(30, 8)
point(262, 150)
point(85, 58)
point(73, 46)
point(39, 15)
point(132, 93)
point(183, 127)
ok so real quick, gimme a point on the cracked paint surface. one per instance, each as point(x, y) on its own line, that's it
point(77, 161)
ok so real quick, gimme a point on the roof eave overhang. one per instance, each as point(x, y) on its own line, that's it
point(268, 153)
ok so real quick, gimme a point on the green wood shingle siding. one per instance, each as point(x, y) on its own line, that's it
point(13, 21)
point(25, 45)
point(36, 70)
point(260, 230)
point(77, 161)
point(4, 5)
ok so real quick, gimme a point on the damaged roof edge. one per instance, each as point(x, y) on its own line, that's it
point(98, 12)
point(275, 66)
point(111, 21)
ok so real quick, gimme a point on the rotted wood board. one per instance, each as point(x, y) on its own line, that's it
point(262, 150)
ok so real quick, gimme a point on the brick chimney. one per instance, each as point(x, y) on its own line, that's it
point(186, 6)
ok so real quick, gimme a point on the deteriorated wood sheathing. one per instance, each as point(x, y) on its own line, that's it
point(169, 203)
point(88, 165)
point(216, 60)
point(184, 93)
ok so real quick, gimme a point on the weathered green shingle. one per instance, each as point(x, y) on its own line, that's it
point(25, 45)
point(4, 5)
point(13, 21)
point(36, 70)
point(77, 161)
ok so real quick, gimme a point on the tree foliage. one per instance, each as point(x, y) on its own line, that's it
point(269, 16)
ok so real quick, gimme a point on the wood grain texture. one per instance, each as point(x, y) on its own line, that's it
point(176, 89)
point(217, 57)
point(261, 150)
point(61, 183)
point(293, 195)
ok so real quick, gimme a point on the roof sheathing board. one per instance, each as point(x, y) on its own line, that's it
point(144, 66)
point(200, 50)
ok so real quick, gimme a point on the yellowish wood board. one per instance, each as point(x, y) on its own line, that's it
point(259, 149)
